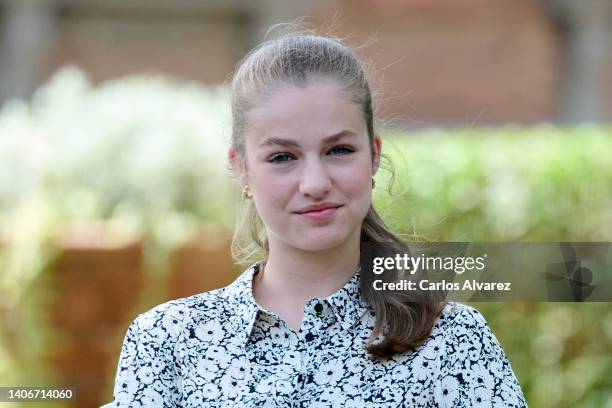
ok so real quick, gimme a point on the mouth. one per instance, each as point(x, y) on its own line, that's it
point(320, 215)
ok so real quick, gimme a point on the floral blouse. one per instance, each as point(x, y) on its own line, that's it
point(221, 349)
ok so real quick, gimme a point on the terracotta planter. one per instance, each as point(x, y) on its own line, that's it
point(202, 264)
point(94, 286)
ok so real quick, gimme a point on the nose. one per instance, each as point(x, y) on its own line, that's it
point(315, 181)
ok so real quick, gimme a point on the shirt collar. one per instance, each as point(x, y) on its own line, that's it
point(347, 304)
point(241, 306)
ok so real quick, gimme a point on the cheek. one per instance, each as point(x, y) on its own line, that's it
point(271, 183)
point(356, 181)
point(272, 191)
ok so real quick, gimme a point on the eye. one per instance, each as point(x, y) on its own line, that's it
point(280, 158)
point(341, 150)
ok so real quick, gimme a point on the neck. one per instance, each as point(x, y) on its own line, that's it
point(294, 275)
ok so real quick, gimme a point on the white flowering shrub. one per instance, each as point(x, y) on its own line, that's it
point(128, 148)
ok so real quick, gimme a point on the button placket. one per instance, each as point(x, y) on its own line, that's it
point(315, 321)
point(299, 364)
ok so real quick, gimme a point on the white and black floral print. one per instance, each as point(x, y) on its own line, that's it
point(220, 349)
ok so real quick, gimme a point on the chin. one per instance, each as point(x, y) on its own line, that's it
point(319, 242)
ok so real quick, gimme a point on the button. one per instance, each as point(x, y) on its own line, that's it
point(309, 336)
point(318, 308)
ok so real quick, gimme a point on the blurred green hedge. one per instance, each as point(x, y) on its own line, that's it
point(502, 184)
point(148, 156)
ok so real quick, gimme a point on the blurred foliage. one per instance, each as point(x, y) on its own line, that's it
point(148, 156)
point(501, 184)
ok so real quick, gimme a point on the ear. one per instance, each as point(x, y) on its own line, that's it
point(377, 151)
point(237, 165)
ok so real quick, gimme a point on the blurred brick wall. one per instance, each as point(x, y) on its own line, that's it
point(443, 62)
point(460, 62)
point(109, 45)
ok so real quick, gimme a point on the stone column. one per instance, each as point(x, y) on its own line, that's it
point(588, 63)
point(25, 37)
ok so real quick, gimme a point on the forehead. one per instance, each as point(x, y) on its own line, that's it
point(315, 111)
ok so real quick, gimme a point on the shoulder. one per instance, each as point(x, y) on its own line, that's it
point(473, 365)
point(457, 316)
point(215, 308)
point(464, 329)
point(168, 320)
point(467, 338)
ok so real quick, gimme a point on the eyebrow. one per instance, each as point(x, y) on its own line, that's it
point(276, 141)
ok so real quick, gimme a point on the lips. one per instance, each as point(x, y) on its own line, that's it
point(318, 208)
point(321, 213)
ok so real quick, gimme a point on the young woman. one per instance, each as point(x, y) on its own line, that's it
point(299, 328)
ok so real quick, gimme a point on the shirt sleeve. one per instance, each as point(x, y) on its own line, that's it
point(146, 372)
point(474, 370)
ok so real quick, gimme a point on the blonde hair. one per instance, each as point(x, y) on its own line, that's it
point(295, 58)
